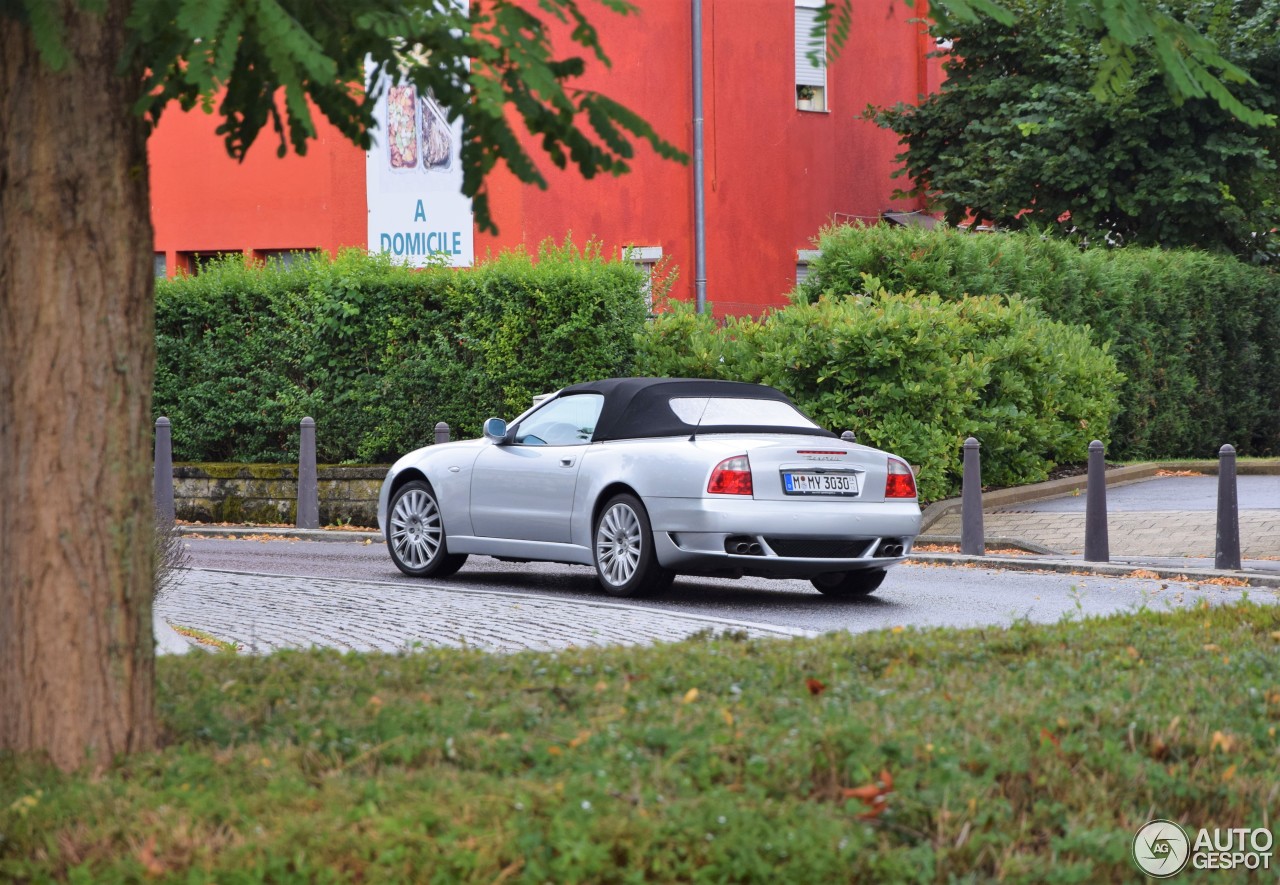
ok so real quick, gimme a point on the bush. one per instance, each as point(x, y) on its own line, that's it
point(1192, 332)
point(379, 353)
point(915, 375)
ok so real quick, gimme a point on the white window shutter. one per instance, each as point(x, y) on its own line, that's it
point(806, 73)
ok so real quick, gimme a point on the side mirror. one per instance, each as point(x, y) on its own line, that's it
point(495, 429)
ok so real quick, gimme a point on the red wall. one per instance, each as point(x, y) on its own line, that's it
point(774, 174)
point(203, 201)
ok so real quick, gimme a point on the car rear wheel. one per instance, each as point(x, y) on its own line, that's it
point(625, 561)
point(415, 534)
point(861, 583)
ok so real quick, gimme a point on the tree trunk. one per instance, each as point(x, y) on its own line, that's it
point(76, 361)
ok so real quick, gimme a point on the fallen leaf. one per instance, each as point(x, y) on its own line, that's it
point(690, 696)
point(873, 795)
point(1224, 581)
point(146, 855)
point(815, 687)
point(864, 793)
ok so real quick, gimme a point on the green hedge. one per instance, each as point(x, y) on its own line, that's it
point(915, 375)
point(1193, 333)
point(378, 353)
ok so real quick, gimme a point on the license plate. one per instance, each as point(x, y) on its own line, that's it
point(819, 483)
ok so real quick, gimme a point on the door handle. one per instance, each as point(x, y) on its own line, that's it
point(566, 462)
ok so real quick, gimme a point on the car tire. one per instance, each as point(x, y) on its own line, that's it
point(415, 533)
point(622, 545)
point(849, 584)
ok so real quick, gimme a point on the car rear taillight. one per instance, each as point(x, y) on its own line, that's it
point(732, 476)
point(901, 482)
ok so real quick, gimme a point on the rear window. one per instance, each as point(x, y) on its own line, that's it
point(710, 411)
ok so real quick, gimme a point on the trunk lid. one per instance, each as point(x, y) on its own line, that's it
point(808, 468)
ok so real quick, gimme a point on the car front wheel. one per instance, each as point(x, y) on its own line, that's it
point(861, 583)
point(625, 561)
point(415, 534)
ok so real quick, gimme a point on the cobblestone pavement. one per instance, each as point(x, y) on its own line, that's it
point(1160, 517)
point(263, 613)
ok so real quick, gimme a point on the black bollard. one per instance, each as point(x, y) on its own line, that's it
point(308, 483)
point(442, 433)
point(162, 481)
point(1226, 553)
point(1096, 546)
point(971, 540)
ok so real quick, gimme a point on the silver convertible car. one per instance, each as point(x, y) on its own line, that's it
point(648, 478)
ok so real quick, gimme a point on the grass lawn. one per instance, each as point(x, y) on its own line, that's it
point(1032, 753)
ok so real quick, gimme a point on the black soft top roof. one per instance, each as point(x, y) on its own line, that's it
point(637, 408)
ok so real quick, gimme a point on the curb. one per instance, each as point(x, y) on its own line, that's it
point(168, 640)
point(223, 531)
point(995, 541)
point(1131, 570)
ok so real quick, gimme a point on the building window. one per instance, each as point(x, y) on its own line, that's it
point(194, 262)
point(646, 258)
point(811, 79)
point(161, 271)
point(803, 258)
point(286, 258)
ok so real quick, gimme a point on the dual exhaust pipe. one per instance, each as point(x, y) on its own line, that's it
point(743, 545)
point(890, 547)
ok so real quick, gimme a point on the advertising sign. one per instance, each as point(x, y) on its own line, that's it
point(413, 179)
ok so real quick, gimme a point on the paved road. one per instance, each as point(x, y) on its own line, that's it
point(319, 605)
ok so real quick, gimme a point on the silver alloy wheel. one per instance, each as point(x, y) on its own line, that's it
point(618, 540)
point(416, 529)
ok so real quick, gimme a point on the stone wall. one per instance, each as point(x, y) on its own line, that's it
point(266, 494)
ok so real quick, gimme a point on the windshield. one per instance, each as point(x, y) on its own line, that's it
point(567, 421)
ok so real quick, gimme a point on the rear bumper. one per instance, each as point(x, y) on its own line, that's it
point(690, 535)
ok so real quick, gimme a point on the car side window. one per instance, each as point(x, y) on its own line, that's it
point(568, 421)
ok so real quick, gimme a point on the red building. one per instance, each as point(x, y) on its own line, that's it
point(786, 152)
